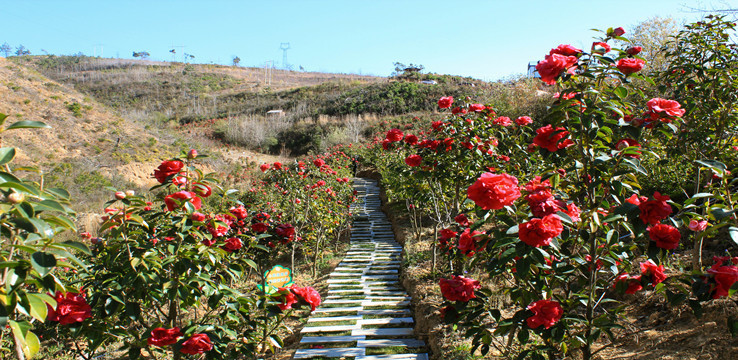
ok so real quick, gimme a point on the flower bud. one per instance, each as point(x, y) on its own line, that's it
point(120, 195)
point(192, 154)
point(16, 198)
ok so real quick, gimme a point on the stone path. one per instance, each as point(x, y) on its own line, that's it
point(366, 314)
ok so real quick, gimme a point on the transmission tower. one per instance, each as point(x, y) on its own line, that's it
point(284, 47)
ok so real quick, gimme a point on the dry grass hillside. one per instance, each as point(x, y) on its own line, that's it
point(89, 147)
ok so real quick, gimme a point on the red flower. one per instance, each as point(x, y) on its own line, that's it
point(545, 312)
point(600, 47)
point(552, 66)
point(670, 108)
point(477, 107)
point(654, 273)
point(413, 160)
point(308, 294)
point(196, 216)
point(566, 50)
point(394, 135)
point(665, 236)
point(524, 120)
point(277, 165)
point(617, 32)
point(697, 226)
point(259, 227)
point(319, 162)
point(239, 212)
point(653, 211)
point(459, 288)
point(539, 232)
point(632, 283)
point(552, 139)
point(502, 121)
point(167, 169)
point(163, 337)
point(494, 191)
point(182, 197)
point(70, 308)
point(288, 299)
point(630, 65)
point(462, 220)
point(467, 242)
point(286, 232)
point(196, 344)
point(725, 277)
point(633, 50)
point(411, 139)
point(232, 244)
point(445, 102)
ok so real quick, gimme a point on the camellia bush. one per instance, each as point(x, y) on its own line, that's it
point(32, 258)
point(556, 217)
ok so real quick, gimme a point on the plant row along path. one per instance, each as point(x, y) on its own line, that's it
point(366, 314)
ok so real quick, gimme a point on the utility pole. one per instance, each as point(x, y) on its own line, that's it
point(174, 52)
point(284, 47)
point(268, 66)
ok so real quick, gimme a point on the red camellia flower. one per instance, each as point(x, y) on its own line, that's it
point(264, 167)
point(552, 66)
point(539, 232)
point(566, 50)
point(286, 232)
point(697, 226)
point(670, 108)
point(725, 277)
point(654, 273)
point(524, 120)
point(494, 191)
point(413, 160)
point(319, 162)
point(445, 102)
point(630, 65)
point(502, 121)
point(477, 107)
point(394, 135)
point(468, 242)
point(163, 337)
point(617, 32)
point(666, 236)
point(196, 216)
point(632, 283)
point(239, 212)
point(625, 143)
point(167, 169)
point(309, 295)
point(459, 288)
point(277, 165)
point(653, 211)
point(545, 312)
point(411, 139)
point(259, 227)
point(600, 47)
point(633, 50)
point(232, 244)
point(288, 299)
point(182, 197)
point(462, 220)
point(552, 139)
point(196, 344)
point(70, 308)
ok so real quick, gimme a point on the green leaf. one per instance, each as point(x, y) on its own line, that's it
point(78, 246)
point(38, 306)
point(720, 213)
point(26, 124)
point(43, 262)
point(6, 155)
point(621, 92)
point(714, 165)
point(733, 326)
point(3, 314)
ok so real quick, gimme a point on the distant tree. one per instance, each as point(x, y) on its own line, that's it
point(6, 49)
point(654, 35)
point(141, 54)
point(236, 60)
point(21, 50)
point(302, 68)
point(407, 72)
point(188, 56)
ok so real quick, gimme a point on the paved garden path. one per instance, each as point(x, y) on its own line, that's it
point(366, 315)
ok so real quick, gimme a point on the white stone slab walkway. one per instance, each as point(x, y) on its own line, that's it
point(367, 308)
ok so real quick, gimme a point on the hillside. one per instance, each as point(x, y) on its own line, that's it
point(88, 146)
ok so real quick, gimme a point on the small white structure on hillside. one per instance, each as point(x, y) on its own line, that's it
point(276, 113)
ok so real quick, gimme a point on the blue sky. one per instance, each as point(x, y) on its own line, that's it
point(483, 39)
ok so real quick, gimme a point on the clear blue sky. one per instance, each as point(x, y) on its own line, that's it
point(483, 39)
